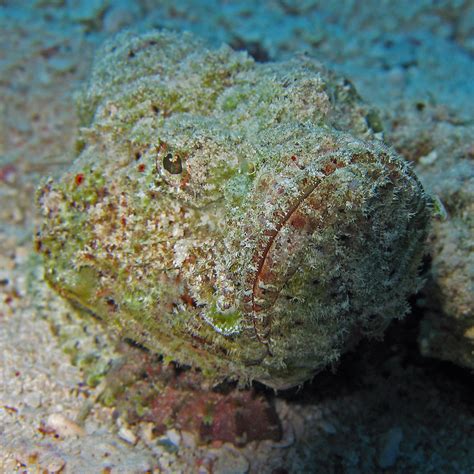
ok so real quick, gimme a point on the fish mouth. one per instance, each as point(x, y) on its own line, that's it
point(278, 260)
point(281, 246)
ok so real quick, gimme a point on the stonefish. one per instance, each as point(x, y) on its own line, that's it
point(238, 217)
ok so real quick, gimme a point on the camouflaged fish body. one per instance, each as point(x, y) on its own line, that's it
point(238, 217)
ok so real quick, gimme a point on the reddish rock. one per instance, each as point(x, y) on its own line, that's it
point(145, 389)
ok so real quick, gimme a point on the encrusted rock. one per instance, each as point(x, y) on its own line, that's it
point(443, 149)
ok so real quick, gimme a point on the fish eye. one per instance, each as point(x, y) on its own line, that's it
point(173, 164)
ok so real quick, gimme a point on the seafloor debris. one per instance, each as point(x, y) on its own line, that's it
point(141, 388)
point(238, 217)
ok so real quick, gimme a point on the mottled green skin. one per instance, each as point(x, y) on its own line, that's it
point(238, 217)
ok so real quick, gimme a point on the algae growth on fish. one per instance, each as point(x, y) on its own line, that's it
point(238, 217)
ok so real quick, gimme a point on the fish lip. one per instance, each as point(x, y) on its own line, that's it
point(264, 293)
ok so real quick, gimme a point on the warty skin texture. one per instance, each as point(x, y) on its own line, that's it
point(238, 217)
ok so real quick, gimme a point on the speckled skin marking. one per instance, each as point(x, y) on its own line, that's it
point(238, 217)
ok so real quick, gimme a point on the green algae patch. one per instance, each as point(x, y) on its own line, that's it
point(241, 218)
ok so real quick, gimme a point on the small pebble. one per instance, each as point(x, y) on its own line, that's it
point(63, 426)
point(281, 408)
point(298, 424)
point(33, 399)
point(174, 437)
point(390, 447)
point(147, 432)
point(62, 64)
point(118, 17)
point(53, 464)
point(189, 440)
point(327, 427)
point(127, 435)
point(165, 462)
point(230, 461)
point(430, 158)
